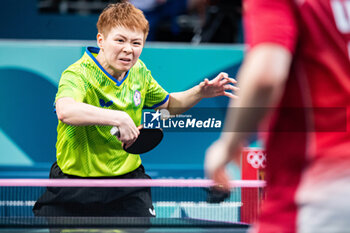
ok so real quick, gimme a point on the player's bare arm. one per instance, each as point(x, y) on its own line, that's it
point(262, 79)
point(221, 85)
point(72, 112)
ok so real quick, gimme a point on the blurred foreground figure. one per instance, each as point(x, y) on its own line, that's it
point(295, 85)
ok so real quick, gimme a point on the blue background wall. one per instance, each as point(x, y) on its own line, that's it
point(29, 76)
point(22, 19)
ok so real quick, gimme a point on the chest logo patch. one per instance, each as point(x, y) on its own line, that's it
point(137, 98)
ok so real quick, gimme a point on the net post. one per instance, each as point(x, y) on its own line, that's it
point(252, 168)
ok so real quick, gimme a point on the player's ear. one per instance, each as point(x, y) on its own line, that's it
point(100, 40)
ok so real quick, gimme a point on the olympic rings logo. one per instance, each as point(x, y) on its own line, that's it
point(256, 159)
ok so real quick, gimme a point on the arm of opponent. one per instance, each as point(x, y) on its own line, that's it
point(180, 102)
point(76, 113)
point(263, 76)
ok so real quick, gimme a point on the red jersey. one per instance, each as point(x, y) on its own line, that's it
point(317, 33)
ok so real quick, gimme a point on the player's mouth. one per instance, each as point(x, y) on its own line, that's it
point(125, 60)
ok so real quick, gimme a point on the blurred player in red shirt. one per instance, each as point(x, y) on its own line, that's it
point(297, 63)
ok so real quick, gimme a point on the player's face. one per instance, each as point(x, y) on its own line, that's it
point(121, 49)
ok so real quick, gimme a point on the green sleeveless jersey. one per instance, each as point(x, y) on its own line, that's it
point(91, 151)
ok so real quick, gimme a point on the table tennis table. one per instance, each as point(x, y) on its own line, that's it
point(117, 224)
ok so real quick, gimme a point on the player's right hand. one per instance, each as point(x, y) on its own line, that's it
point(127, 129)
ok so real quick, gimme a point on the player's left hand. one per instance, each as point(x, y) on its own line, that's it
point(221, 85)
point(217, 156)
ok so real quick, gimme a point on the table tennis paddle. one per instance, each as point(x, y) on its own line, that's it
point(146, 141)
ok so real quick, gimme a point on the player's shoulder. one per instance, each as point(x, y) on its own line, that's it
point(139, 65)
point(79, 67)
point(140, 70)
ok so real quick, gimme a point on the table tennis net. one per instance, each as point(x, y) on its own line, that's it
point(175, 202)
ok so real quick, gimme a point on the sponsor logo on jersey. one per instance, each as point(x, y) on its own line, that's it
point(105, 104)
